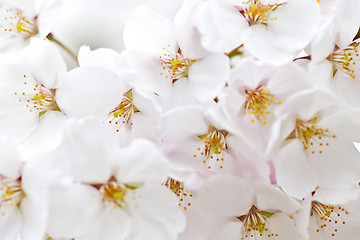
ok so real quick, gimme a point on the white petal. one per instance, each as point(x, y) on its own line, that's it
point(141, 162)
point(10, 223)
point(226, 195)
point(34, 220)
point(148, 31)
point(256, 41)
point(89, 161)
point(269, 198)
point(45, 63)
point(156, 215)
point(296, 24)
point(229, 229)
point(293, 171)
point(73, 210)
point(48, 16)
point(89, 91)
point(143, 71)
point(10, 163)
point(207, 76)
point(47, 136)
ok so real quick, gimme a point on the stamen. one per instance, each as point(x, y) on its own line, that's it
point(256, 12)
point(347, 60)
point(114, 193)
point(212, 146)
point(258, 103)
point(15, 22)
point(37, 98)
point(328, 218)
point(183, 195)
point(256, 225)
point(11, 193)
point(174, 64)
point(312, 137)
point(122, 114)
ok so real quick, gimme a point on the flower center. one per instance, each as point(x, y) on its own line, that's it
point(256, 224)
point(212, 147)
point(16, 23)
point(37, 98)
point(347, 60)
point(258, 102)
point(114, 193)
point(256, 12)
point(311, 136)
point(327, 217)
point(122, 114)
point(11, 193)
point(174, 64)
point(178, 188)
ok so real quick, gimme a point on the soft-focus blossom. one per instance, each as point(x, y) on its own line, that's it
point(244, 210)
point(23, 19)
point(115, 192)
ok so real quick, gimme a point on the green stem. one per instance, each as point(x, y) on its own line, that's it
point(51, 37)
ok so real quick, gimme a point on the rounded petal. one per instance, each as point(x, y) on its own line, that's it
point(207, 76)
point(226, 195)
point(141, 162)
point(148, 31)
point(89, 91)
point(294, 174)
point(156, 214)
point(74, 210)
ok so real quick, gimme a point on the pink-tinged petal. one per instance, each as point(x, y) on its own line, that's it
point(284, 226)
point(48, 16)
point(294, 173)
point(226, 195)
point(189, 118)
point(187, 34)
point(10, 163)
point(74, 210)
point(288, 80)
point(207, 76)
point(148, 31)
point(256, 41)
point(306, 104)
point(270, 198)
point(89, 91)
point(156, 214)
point(140, 162)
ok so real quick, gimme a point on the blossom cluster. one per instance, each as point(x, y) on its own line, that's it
point(193, 119)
